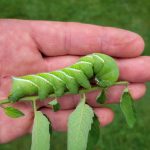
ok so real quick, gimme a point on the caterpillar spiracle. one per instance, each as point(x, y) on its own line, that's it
point(94, 67)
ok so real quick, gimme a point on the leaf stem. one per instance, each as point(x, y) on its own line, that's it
point(82, 91)
point(122, 83)
point(34, 106)
point(82, 97)
point(29, 98)
point(5, 101)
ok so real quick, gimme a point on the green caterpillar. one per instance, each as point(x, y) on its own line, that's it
point(96, 68)
point(94, 71)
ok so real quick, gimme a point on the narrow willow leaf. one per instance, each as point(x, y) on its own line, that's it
point(55, 105)
point(50, 127)
point(13, 112)
point(127, 107)
point(101, 98)
point(94, 134)
point(40, 132)
point(79, 125)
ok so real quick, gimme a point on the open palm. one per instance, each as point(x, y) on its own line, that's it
point(28, 47)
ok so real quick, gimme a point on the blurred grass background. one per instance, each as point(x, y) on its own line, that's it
point(128, 14)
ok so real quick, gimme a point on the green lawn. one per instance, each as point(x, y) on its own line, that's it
point(128, 14)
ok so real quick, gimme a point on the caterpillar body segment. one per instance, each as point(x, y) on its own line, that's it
point(71, 83)
point(86, 67)
point(79, 76)
point(98, 67)
point(22, 88)
point(44, 86)
point(110, 71)
point(56, 82)
point(95, 60)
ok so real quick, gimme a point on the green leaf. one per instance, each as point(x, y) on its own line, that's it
point(101, 98)
point(94, 134)
point(79, 125)
point(127, 107)
point(54, 103)
point(40, 132)
point(13, 112)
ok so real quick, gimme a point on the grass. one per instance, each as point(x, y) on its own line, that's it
point(128, 14)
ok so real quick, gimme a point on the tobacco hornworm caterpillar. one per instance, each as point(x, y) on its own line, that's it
point(94, 71)
point(98, 68)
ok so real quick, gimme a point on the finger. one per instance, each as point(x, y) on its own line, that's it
point(135, 70)
point(59, 62)
point(132, 70)
point(59, 119)
point(113, 95)
point(5, 87)
point(127, 72)
point(11, 128)
point(60, 38)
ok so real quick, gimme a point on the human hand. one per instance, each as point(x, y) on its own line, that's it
point(28, 47)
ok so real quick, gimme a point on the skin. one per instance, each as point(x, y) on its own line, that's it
point(28, 47)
